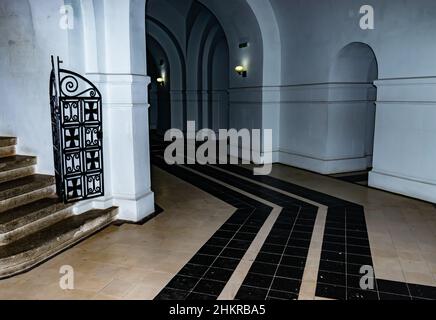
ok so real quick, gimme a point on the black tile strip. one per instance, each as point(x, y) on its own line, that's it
point(295, 241)
point(279, 267)
point(206, 274)
point(345, 227)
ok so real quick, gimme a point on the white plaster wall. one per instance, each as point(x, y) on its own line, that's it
point(405, 149)
point(312, 34)
point(241, 25)
point(324, 127)
point(315, 31)
point(30, 33)
point(107, 45)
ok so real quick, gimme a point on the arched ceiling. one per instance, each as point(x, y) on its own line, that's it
point(250, 21)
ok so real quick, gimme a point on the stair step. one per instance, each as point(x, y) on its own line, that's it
point(16, 162)
point(25, 190)
point(8, 141)
point(21, 221)
point(31, 250)
point(7, 146)
point(14, 167)
point(7, 151)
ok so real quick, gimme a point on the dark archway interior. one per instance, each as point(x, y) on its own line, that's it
point(356, 66)
point(159, 92)
point(205, 100)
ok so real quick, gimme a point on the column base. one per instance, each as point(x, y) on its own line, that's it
point(129, 209)
point(134, 209)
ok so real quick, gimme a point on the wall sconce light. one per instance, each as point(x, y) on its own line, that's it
point(161, 81)
point(242, 71)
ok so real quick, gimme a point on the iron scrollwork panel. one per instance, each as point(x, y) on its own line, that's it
point(80, 137)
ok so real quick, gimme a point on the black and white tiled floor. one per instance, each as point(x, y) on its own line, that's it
point(206, 274)
point(285, 248)
point(300, 235)
point(277, 271)
point(345, 249)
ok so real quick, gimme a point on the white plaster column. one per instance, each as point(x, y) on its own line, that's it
point(220, 109)
point(204, 96)
point(193, 62)
point(405, 144)
point(257, 108)
point(271, 97)
point(121, 77)
point(192, 98)
point(128, 142)
point(245, 108)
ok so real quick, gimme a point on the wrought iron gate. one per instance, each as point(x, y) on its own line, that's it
point(77, 128)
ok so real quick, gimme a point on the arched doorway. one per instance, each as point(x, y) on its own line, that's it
point(197, 55)
point(159, 88)
point(208, 69)
point(353, 114)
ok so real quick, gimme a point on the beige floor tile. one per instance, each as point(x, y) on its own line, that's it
point(101, 297)
point(142, 292)
point(87, 283)
point(410, 255)
point(117, 288)
point(420, 278)
point(415, 266)
point(388, 269)
point(384, 253)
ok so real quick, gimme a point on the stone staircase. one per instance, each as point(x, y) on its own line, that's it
point(34, 223)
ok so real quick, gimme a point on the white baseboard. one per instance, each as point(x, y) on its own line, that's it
point(129, 209)
point(323, 166)
point(411, 188)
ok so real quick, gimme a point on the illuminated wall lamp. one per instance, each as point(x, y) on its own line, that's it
point(242, 71)
point(160, 81)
